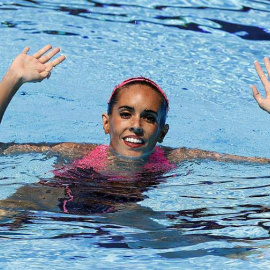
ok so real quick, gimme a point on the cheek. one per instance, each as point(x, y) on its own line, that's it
point(152, 131)
point(117, 125)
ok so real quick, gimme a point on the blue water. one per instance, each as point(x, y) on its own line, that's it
point(203, 215)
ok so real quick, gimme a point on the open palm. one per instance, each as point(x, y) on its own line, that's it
point(264, 103)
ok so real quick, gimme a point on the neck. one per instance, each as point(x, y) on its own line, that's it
point(143, 158)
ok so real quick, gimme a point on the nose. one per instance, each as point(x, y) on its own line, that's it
point(137, 130)
point(136, 127)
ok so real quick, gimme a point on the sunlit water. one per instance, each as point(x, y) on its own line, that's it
point(202, 215)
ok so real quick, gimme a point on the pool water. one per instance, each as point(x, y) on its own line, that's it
point(201, 215)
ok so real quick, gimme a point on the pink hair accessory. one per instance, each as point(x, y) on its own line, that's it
point(140, 79)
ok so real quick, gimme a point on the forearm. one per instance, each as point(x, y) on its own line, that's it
point(236, 158)
point(230, 158)
point(13, 148)
point(9, 85)
point(66, 150)
point(182, 154)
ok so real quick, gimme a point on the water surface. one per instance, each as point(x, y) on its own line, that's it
point(203, 213)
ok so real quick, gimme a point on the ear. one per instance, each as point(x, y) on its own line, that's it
point(163, 133)
point(106, 124)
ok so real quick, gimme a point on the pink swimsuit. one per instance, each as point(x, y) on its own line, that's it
point(97, 161)
point(88, 168)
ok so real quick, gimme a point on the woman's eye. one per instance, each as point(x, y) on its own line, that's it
point(150, 119)
point(124, 115)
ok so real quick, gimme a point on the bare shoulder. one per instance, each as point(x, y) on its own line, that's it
point(73, 150)
point(176, 155)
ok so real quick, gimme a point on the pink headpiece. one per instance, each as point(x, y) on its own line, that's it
point(140, 79)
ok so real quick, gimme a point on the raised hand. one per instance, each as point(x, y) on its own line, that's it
point(27, 68)
point(36, 67)
point(264, 103)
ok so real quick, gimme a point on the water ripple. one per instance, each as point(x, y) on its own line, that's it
point(155, 14)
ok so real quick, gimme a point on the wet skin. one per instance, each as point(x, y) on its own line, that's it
point(134, 125)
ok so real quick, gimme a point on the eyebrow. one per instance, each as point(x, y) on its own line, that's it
point(150, 111)
point(132, 109)
point(127, 108)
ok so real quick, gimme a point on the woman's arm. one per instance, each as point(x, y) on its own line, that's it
point(183, 154)
point(27, 68)
point(67, 150)
point(264, 103)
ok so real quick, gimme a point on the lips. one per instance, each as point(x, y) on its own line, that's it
point(133, 142)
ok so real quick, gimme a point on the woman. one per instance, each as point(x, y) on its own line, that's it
point(135, 120)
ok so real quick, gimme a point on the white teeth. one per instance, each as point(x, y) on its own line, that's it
point(133, 140)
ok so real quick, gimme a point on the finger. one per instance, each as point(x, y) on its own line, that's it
point(48, 68)
point(26, 50)
point(44, 74)
point(267, 65)
point(262, 77)
point(56, 61)
point(257, 96)
point(45, 58)
point(39, 53)
point(49, 75)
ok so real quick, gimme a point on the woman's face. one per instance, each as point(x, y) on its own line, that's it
point(134, 124)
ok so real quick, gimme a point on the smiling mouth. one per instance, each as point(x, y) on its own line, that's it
point(133, 142)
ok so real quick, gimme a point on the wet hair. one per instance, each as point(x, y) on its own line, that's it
point(164, 101)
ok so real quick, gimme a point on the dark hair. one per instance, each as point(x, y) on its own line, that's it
point(164, 103)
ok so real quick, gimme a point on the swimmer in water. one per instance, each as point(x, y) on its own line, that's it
point(135, 120)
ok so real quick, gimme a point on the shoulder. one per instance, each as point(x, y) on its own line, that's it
point(73, 150)
point(182, 154)
point(176, 155)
